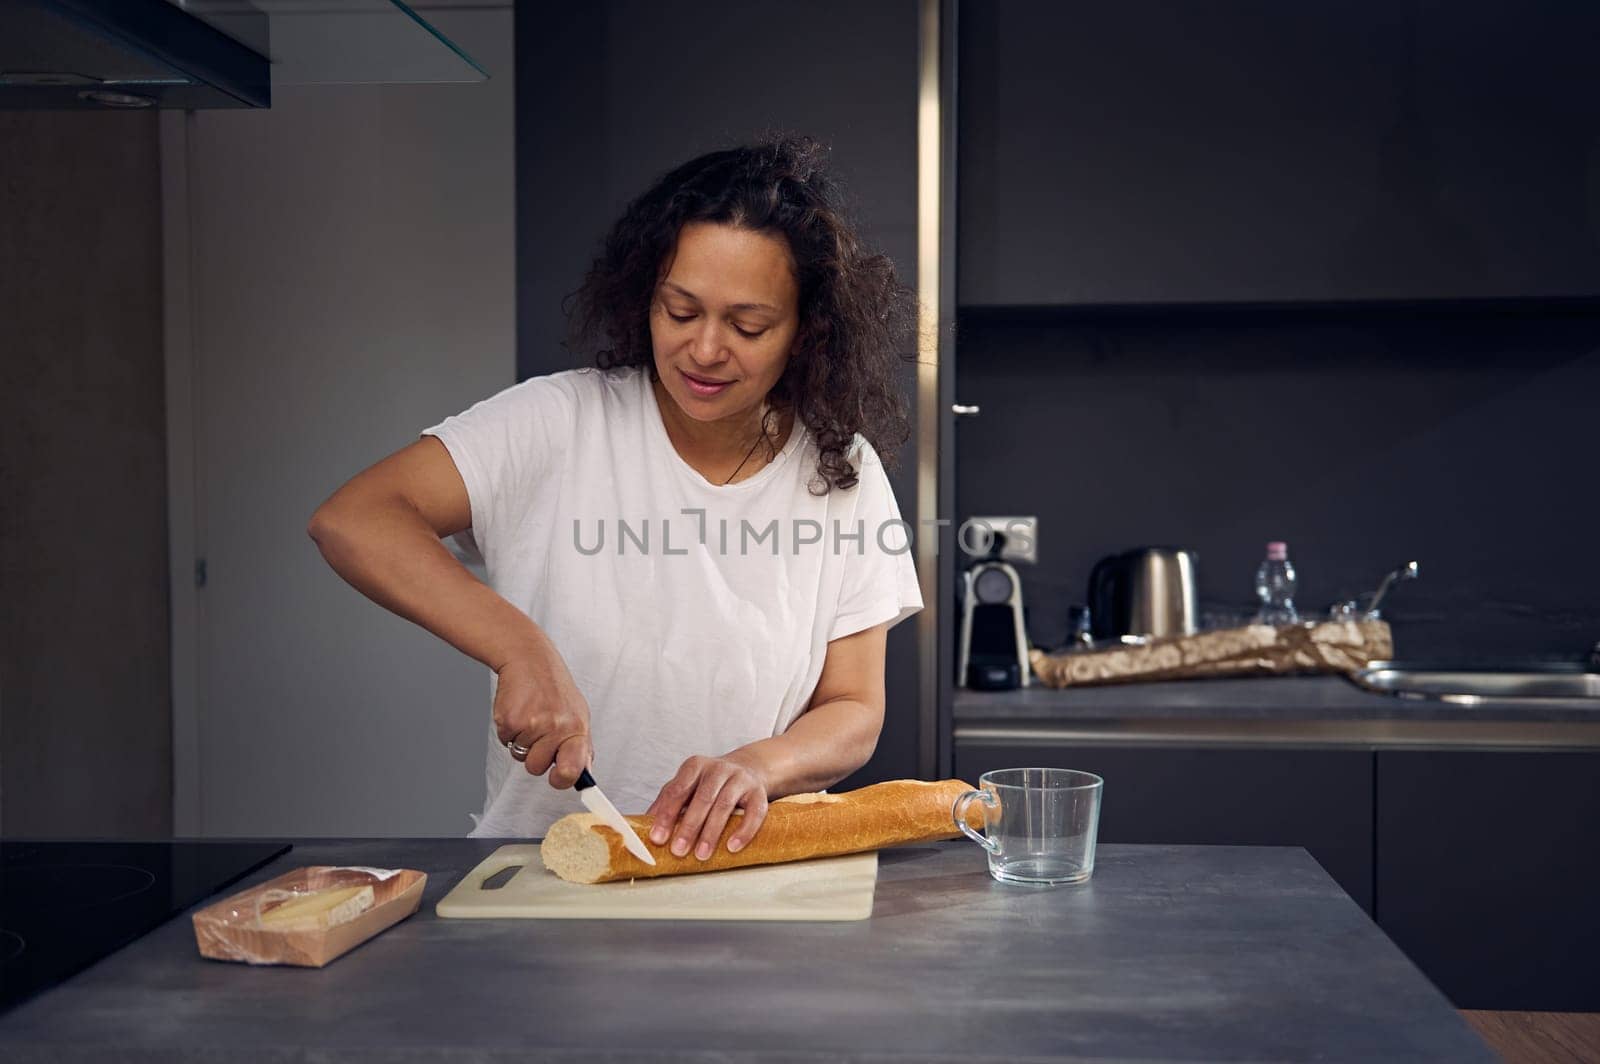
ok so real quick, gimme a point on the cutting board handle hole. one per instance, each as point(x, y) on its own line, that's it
point(501, 878)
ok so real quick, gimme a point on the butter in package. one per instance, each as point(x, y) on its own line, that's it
point(308, 916)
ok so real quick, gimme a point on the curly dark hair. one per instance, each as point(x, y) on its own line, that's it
point(855, 314)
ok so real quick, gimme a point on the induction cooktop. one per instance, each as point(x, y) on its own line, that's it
point(65, 905)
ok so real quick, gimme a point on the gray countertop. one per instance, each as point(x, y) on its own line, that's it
point(1168, 953)
point(1263, 698)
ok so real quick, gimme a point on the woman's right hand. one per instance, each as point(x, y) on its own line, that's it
point(538, 705)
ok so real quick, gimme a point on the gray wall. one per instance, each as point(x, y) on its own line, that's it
point(85, 719)
point(642, 88)
point(1463, 437)
point(353, 284)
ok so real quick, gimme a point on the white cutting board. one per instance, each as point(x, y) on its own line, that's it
point(831, 888)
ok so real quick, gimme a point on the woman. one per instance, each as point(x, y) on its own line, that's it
point(693, 552)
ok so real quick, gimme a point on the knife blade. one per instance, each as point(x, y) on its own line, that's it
point(590, 794)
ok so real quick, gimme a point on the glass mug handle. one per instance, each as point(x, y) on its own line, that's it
point(959, 812)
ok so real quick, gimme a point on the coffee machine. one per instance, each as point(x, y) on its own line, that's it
point(993, 651)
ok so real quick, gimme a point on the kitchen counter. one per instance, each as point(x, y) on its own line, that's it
point(1252, 698)
point(1169, 953)
point(1315, 710)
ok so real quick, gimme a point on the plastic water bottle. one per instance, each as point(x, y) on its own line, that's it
point(1275, 587)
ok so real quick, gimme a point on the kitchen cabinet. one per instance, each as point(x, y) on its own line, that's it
point(1269, 796)
point(1487, 864)
point(1251, 152)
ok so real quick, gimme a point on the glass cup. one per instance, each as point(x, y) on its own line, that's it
point(1039, 823)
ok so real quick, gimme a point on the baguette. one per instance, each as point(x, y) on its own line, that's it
point(580, 849)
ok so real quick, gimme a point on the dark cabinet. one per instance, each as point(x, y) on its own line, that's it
point(610, 96)
point(1258, 152)
point(1255, 796)
point(1488, 864)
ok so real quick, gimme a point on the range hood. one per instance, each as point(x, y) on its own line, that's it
point(190, 54)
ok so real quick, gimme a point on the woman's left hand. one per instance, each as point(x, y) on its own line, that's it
point(694, 807)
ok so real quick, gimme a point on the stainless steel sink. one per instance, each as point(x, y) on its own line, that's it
point(1531, 685)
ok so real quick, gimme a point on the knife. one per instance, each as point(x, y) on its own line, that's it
point(589, 791)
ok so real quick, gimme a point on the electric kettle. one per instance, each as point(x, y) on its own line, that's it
point(1145, 592)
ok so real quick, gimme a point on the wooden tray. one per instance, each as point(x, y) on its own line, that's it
point(228, 929)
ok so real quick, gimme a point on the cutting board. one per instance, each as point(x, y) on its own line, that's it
point(832, 888)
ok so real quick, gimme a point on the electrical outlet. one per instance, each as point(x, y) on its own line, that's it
point(1022, 537)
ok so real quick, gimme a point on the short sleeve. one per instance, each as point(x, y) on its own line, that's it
point(503, 447)
point(879, 582)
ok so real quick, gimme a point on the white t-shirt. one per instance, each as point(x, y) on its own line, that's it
point(687, 632)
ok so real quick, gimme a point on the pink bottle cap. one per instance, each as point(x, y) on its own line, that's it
point(1277, 551)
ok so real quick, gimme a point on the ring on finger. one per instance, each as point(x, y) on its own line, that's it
point(516, 749)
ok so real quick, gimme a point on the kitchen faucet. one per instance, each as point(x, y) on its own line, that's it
point(1351, 609)
point(1408, 571)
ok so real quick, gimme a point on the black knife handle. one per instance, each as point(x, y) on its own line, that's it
point(585, 781)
